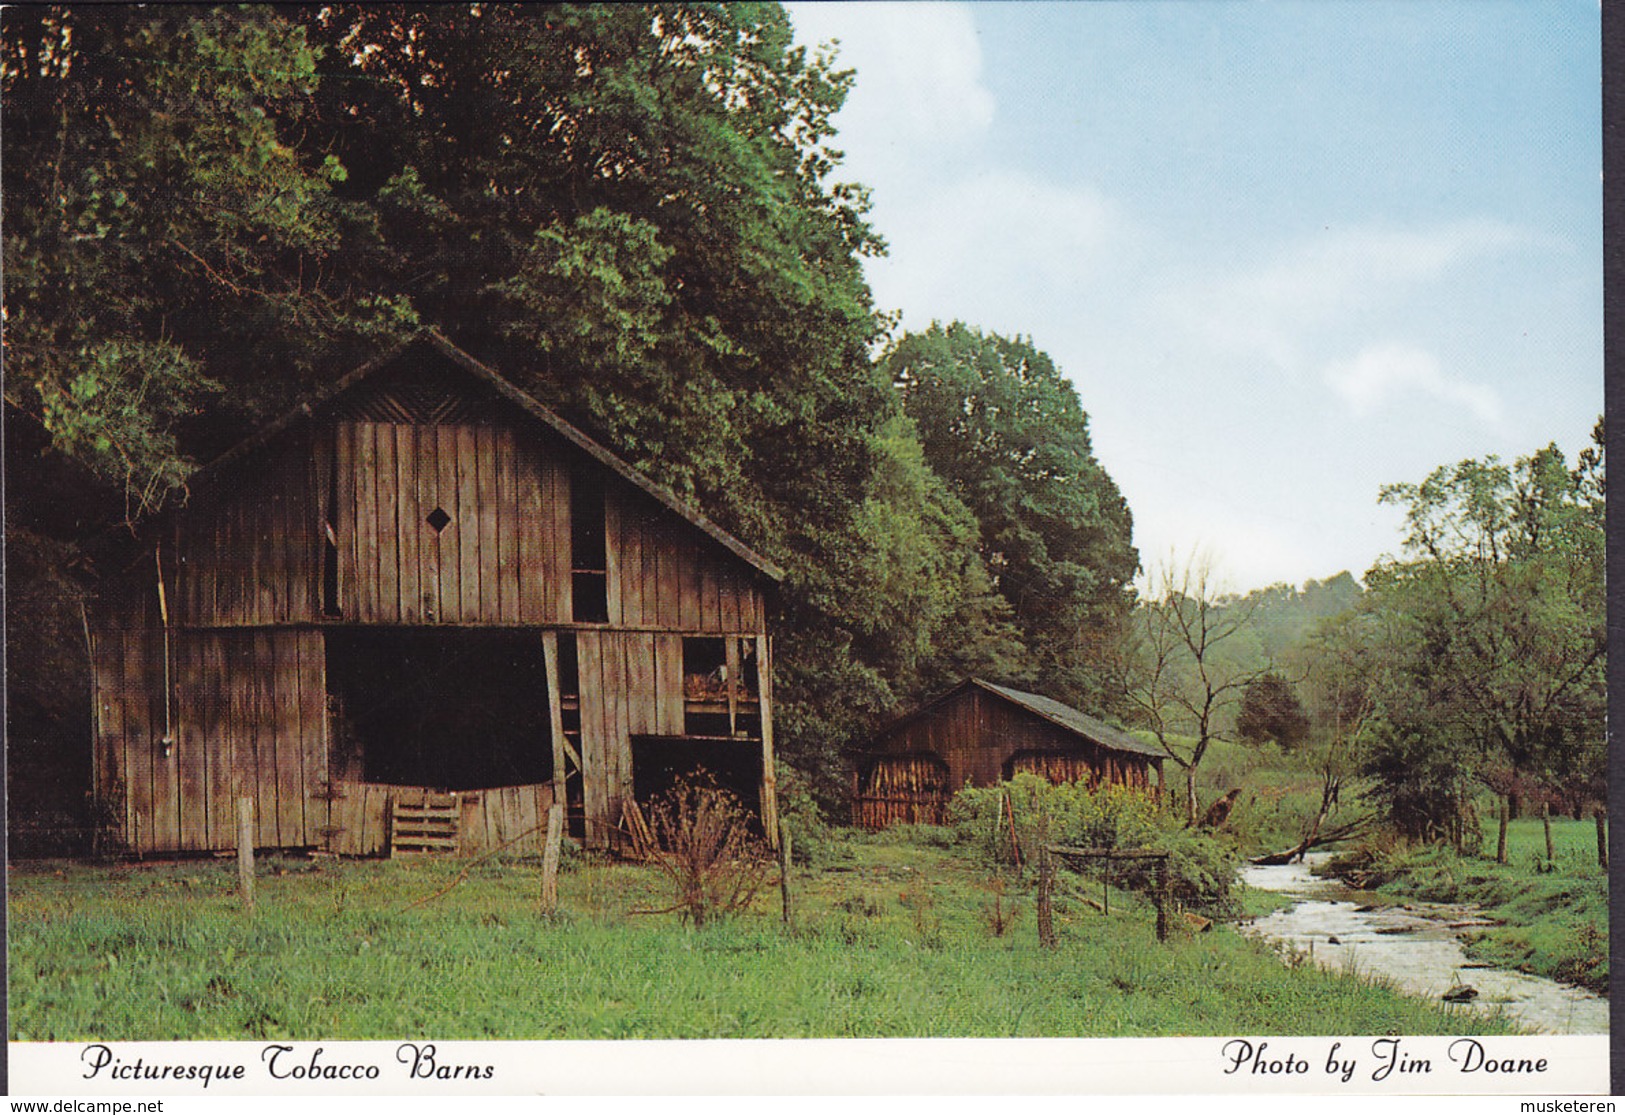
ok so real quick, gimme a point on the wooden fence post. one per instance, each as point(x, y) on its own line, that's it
point(1162, 899)
point(1046, 912)
point(245, 851)
point(1015, 843)
point(1501, 831)
point(784, 866)
point(550, 859)
point(1601, 817)
point(1546, 823)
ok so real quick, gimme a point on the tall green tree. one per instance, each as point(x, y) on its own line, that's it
point(1006, 432)
point(1496, 622)
point(1271, 712)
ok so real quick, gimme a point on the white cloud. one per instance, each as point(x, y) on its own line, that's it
point(1383, 375)
point(1277, 308)
point(997, 248)
point(919, 85)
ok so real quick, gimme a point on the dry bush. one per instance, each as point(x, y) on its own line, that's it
point(705, 849)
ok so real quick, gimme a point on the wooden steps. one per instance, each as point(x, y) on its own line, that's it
point(423, 823)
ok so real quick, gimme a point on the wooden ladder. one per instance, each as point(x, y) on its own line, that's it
point(423, 823)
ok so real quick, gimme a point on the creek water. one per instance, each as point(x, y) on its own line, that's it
point(1416, 947)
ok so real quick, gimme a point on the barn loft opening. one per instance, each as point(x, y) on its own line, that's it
point(659, 762)
point(720, 694)
point(450, 710)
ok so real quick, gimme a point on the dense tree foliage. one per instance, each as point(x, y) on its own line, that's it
point(631, 211)
point(1008, 435)
point(1493, 629)
point(1271, 713)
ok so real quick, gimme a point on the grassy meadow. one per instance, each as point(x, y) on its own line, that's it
point(1554, 921)
point(894, 936)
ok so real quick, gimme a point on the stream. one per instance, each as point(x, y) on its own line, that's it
point(1416, 946)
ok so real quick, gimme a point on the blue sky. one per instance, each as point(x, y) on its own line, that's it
point(1287, 252)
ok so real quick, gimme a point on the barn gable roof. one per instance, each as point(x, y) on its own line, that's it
point(436, 341)
point(1087, 727)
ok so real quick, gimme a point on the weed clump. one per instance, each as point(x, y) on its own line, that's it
point(705, 851)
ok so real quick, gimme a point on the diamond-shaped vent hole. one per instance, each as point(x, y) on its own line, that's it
point(438, 519)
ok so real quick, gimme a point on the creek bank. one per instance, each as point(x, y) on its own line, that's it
point(1416, 947)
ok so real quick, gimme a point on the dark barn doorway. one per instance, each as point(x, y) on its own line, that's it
point(450, 710)
point(658, 762)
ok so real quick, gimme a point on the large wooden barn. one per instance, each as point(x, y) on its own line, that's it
point(419, 610)
point(979, 734)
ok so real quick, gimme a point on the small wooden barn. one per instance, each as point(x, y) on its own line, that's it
point(416, 612)
point(979, 734)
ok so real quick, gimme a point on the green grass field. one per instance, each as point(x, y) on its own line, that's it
point(1555, 923)
point(891, 939)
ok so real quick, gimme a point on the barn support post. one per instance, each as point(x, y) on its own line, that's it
point(555, 712)
point(550, 859)
point(764, 697)
point(245, 851)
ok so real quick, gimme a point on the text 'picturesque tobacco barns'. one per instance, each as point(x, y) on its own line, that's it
point(422, 609)
point(979, 734)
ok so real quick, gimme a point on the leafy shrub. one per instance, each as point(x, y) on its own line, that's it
point(811, 842)
point(1201, 866)
point(705, 850)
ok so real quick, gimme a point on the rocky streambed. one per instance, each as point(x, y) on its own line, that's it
point(1416, 947)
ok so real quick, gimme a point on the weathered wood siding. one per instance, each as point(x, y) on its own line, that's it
point(665, 575)
point(249, 553)
point(253, 553)
point(328, 522)
point(977, 735)
point(511, 819)
point(246, 716)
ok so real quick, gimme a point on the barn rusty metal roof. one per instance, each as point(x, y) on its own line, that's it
point(1097, 732)
point(437, 341)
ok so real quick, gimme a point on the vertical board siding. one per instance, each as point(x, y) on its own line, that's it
point(344, 527)
point(427, 478)
point(485, 456)
point(615, 544)
point(669, 684)
point(313, 740)
point(247, 716)
point(507, 528)
point(556, 541)
point(285, 728)
point(388, 531)
point(466, 461)
point(191, 746)
point(532, 515)
point(409, 524)
point(138, 743)
point(449, 539)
